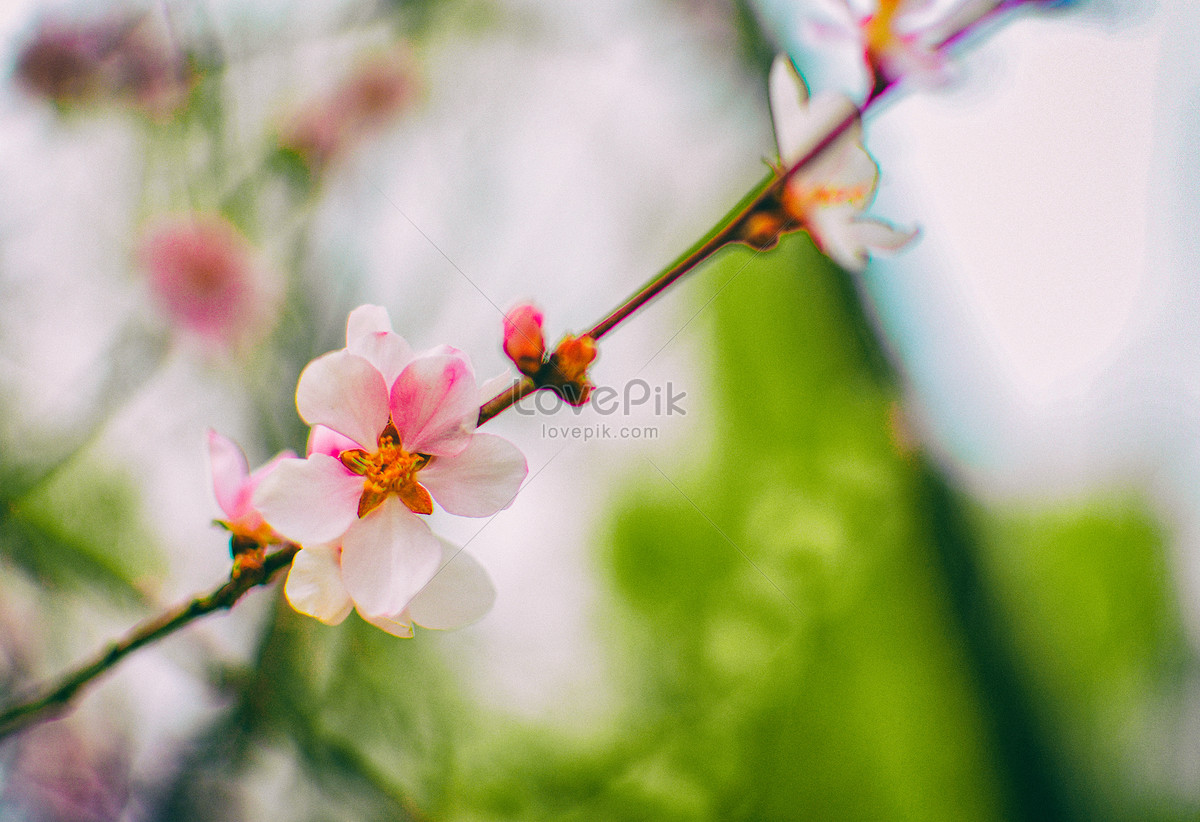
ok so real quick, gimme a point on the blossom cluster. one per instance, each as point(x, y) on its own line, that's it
point(392, 431)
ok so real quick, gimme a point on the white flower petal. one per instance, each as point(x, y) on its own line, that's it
point(346, 393)
point(434, 404)
point(879, 235)
point(905, 7)
point(366, 319)
point(314, 585)
point(478, 482)
point(832, 230)
point(801, 124)
point(399, 625)
point(844, 163)
point(229, 472)
point(387, 556)
point(460, 593)
point(310, 501)
point(369, 335)
point(789, 106)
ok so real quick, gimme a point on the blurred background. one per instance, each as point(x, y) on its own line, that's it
point(921, 544)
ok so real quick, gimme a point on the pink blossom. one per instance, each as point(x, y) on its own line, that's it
point(393, 431)
point(203, 275)
point(827, 195)
point(234, 485)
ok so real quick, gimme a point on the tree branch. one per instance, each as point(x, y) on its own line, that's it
point(56, 697)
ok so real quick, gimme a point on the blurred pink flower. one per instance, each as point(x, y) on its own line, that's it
point(203, 276)
point(393, 432)
point(827, 196)
point(375, 92)
point(116, 58)
point(234, 484)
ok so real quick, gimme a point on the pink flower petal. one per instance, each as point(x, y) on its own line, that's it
point(265, 470)
point(369, 334)
point(831, 229)
point(481, 480)
point(524, 342)
point(230, 472)
point(910, 60)
point(324, 440)
point(310, 501)
point(346, 393)
point(460, 593)
point(387, 556)
point(434, 404)
point(314, 585)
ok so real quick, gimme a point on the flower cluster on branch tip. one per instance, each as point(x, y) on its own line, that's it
point(826, 183)
point(392, 431)
point(376, 91)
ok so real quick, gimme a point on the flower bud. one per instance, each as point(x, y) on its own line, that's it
point(761, 230)
point(572, 358)
point(524, 342)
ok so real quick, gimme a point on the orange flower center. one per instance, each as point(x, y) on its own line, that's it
point(389, 470)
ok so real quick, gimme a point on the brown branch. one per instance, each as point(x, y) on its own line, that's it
point(56, 698)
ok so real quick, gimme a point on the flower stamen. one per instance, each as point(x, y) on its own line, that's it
point(389, 470)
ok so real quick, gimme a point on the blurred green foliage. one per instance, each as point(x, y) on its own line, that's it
point(80, 527)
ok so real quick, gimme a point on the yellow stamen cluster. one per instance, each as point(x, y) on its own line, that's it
point(389, 470)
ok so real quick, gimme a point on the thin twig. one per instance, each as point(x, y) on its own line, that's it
point(57, 697)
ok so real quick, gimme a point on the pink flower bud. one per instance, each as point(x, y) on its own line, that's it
point(523, 340)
